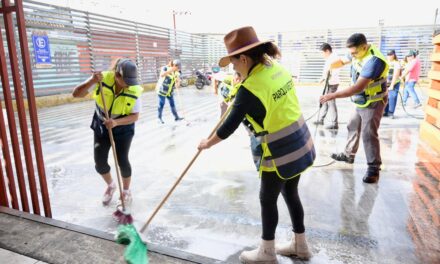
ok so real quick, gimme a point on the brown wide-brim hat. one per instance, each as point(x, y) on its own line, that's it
point(239, 41)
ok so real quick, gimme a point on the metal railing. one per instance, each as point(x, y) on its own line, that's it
point(26, 165)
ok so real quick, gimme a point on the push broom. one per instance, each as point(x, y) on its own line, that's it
point(136, 251)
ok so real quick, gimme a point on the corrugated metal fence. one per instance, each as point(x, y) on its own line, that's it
point(81, 42)
point(301, 54)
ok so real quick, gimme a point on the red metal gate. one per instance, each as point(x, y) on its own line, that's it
point(19, 175)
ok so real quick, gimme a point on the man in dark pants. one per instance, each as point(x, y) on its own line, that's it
point(333, 84)
point(369, 93)
point(169, 80)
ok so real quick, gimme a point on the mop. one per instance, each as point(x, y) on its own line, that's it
point(136, 251)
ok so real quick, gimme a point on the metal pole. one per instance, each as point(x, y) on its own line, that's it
point(175, 34)
point(3, 197)
point(3, 134)
point(32, 107)
point(138, 54)
point(89, 42)
point(174, 20)
point(10, 110)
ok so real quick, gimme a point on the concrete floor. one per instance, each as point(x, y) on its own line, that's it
point(34, 238)
point(11, 257)
point(215, 210)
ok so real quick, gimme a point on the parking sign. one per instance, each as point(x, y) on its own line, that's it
point(41, 49)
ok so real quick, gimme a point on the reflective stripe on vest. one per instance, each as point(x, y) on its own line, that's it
point(374, 91)
point(119, 105)
point(287, 145)
point(292, 156)
point(273, 137)
point(167, 83)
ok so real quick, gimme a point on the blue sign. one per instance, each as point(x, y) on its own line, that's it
point(41, 49)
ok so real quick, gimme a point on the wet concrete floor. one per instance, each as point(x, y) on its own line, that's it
point(215, 210)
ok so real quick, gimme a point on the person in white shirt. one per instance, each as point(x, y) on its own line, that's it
point(333, 84)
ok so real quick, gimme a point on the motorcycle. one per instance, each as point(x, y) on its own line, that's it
point(202, 79)
point(184, 80)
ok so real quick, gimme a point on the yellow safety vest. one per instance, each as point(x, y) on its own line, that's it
point(285, 138)
point(391, 72)
point(117, 105)
point(227, 89)
point(166, 84)
point(374, 91)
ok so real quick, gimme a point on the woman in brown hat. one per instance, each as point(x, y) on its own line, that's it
point(267, 100)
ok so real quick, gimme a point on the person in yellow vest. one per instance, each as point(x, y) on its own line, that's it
point(369, 94)
point(226, 86)
point(393, 83)
point(267, 99)
point(122, 94)
point(168, 81)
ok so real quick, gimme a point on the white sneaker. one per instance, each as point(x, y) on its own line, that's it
point(417, 105)
point(108, 195)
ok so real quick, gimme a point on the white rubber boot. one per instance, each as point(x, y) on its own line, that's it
point(264, 254)
point(296, 247)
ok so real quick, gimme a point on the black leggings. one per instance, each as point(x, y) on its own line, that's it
point(101, 150)
point(271, 186)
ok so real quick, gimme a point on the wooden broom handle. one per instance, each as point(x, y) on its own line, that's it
point(112, 141)
point(184, 172)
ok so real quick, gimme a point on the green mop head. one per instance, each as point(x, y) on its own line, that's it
point(136, 250)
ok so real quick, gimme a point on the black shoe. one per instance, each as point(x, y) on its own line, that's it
point(342, 157)
point(332, 127)
point(160, 121)
point(178, 119)
point(385, 114)
point(371, 177)
point(321, 122)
